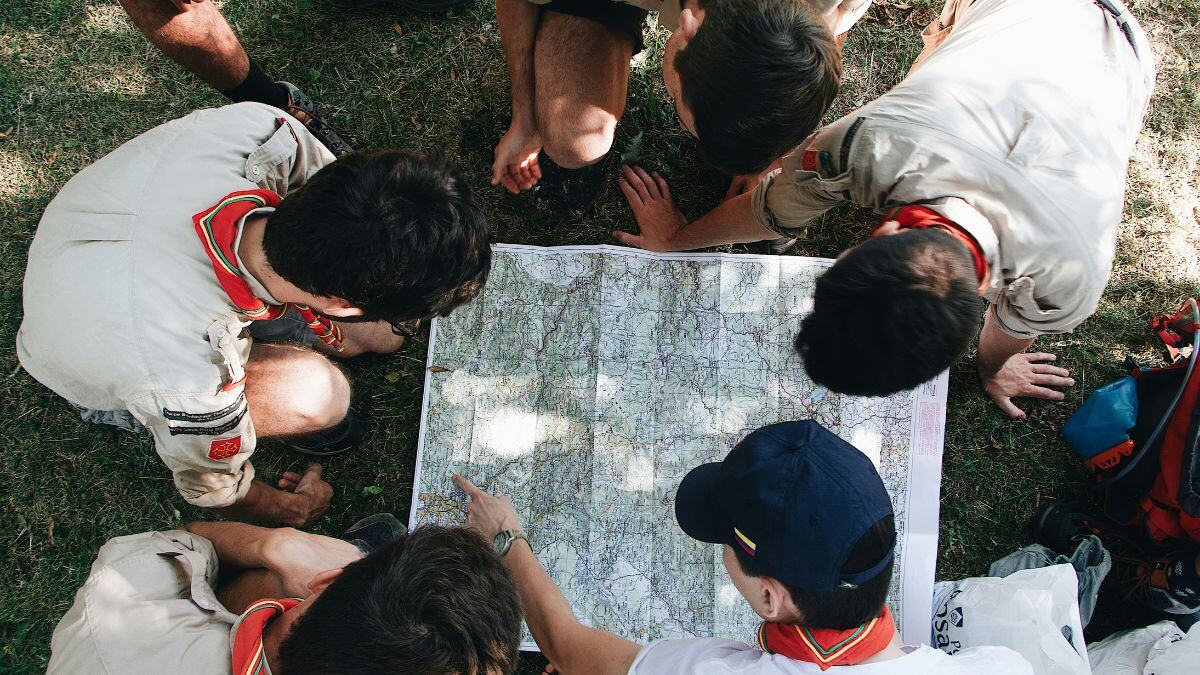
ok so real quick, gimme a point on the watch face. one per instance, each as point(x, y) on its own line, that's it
point(501, 542)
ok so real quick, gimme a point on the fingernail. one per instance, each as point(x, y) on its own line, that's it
point(1071, 383)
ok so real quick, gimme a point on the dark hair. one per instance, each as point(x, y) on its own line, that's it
point(892, 313)
point(757, 77)
point(394, 233)
point(844, 608)
point(436, 602)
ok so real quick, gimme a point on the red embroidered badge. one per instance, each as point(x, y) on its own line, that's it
point(808, 161)
point(224, 448)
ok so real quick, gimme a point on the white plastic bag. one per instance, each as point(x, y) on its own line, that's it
point(1160, 648)
point(1034, 612)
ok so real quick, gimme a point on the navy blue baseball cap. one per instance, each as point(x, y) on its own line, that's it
point(794, 497)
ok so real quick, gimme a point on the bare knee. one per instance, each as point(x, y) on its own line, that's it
point(293, 390)
point(574, 144)
point(321, 397)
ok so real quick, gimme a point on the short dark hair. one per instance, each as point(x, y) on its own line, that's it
point(844, 608)
point(757, 77)
point(438, 601)
point(394, 233)
point(892, 313)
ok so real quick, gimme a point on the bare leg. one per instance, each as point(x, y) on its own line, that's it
point(581, 72)
point(291, 390)
point(197, 38)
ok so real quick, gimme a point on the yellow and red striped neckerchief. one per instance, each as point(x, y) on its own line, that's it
point(828, 647)
point(217, 228)
point(249, 656)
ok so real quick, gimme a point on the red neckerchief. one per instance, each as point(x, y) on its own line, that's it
point(919, 217)
point(248, 652)
point(217, 228)
point(827, 647)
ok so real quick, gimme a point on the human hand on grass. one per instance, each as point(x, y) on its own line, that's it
point(487, 514)
point(657, 216)
point(516, 159)
point(1029, 375)
point(315, 493)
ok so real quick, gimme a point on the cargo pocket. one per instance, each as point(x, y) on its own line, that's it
point(270, 164)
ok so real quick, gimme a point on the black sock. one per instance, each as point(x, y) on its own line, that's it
point(259, 87)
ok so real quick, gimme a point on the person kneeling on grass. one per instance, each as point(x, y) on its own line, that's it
point(1000, 162)
point(437, 601)
point(163, 277)
point(750, 79)
point(809, 539)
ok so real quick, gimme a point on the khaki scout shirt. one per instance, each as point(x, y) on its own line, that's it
point(122, 308)
point(840, 14)
point(147, 606)
point(1019, 127)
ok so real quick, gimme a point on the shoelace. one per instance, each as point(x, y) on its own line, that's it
point(1137, 574)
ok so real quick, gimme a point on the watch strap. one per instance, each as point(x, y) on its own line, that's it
point(510, 538)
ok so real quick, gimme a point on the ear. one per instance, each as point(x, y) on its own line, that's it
point(320, 582)
point(886, 229)
point(689, 22)
point(777, 602)
point(335, 306)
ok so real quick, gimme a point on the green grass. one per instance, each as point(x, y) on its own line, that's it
point(76, 80)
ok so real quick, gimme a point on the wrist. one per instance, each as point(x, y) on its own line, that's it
point(506, 526)
point(294, 509)
point(518, 549)
point(523, 119)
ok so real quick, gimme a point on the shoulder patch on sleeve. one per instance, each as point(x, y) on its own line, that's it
point(808, 161)
point(181, 416)
point(224, 448)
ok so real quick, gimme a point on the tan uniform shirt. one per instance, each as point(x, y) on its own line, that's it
point(122, 307)
point(147, 606)
point(841, 14)
point(1019, 127)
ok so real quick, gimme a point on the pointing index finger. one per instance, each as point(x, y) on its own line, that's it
point(466, 485)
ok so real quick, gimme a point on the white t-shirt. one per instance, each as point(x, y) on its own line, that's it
point(717, 656)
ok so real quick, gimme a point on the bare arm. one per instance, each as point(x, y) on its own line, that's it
point(1007, 372)
point(569, 645)
point(663, 227)
point(515, 165)
point(518, 26)
point(273, 562)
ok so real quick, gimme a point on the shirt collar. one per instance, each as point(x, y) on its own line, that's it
point(256, 287)
point(973, 223)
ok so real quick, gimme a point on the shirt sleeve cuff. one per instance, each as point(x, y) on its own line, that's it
point(1006, 326)
point(216, 490)
point(762, 212)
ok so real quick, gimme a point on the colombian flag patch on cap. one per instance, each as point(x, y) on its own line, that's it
point(748, 546)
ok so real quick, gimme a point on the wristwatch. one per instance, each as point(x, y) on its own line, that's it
point(502, 542)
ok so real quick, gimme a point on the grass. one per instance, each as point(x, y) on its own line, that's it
point(76, 80)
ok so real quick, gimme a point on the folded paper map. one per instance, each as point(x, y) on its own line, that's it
point(585, 382)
